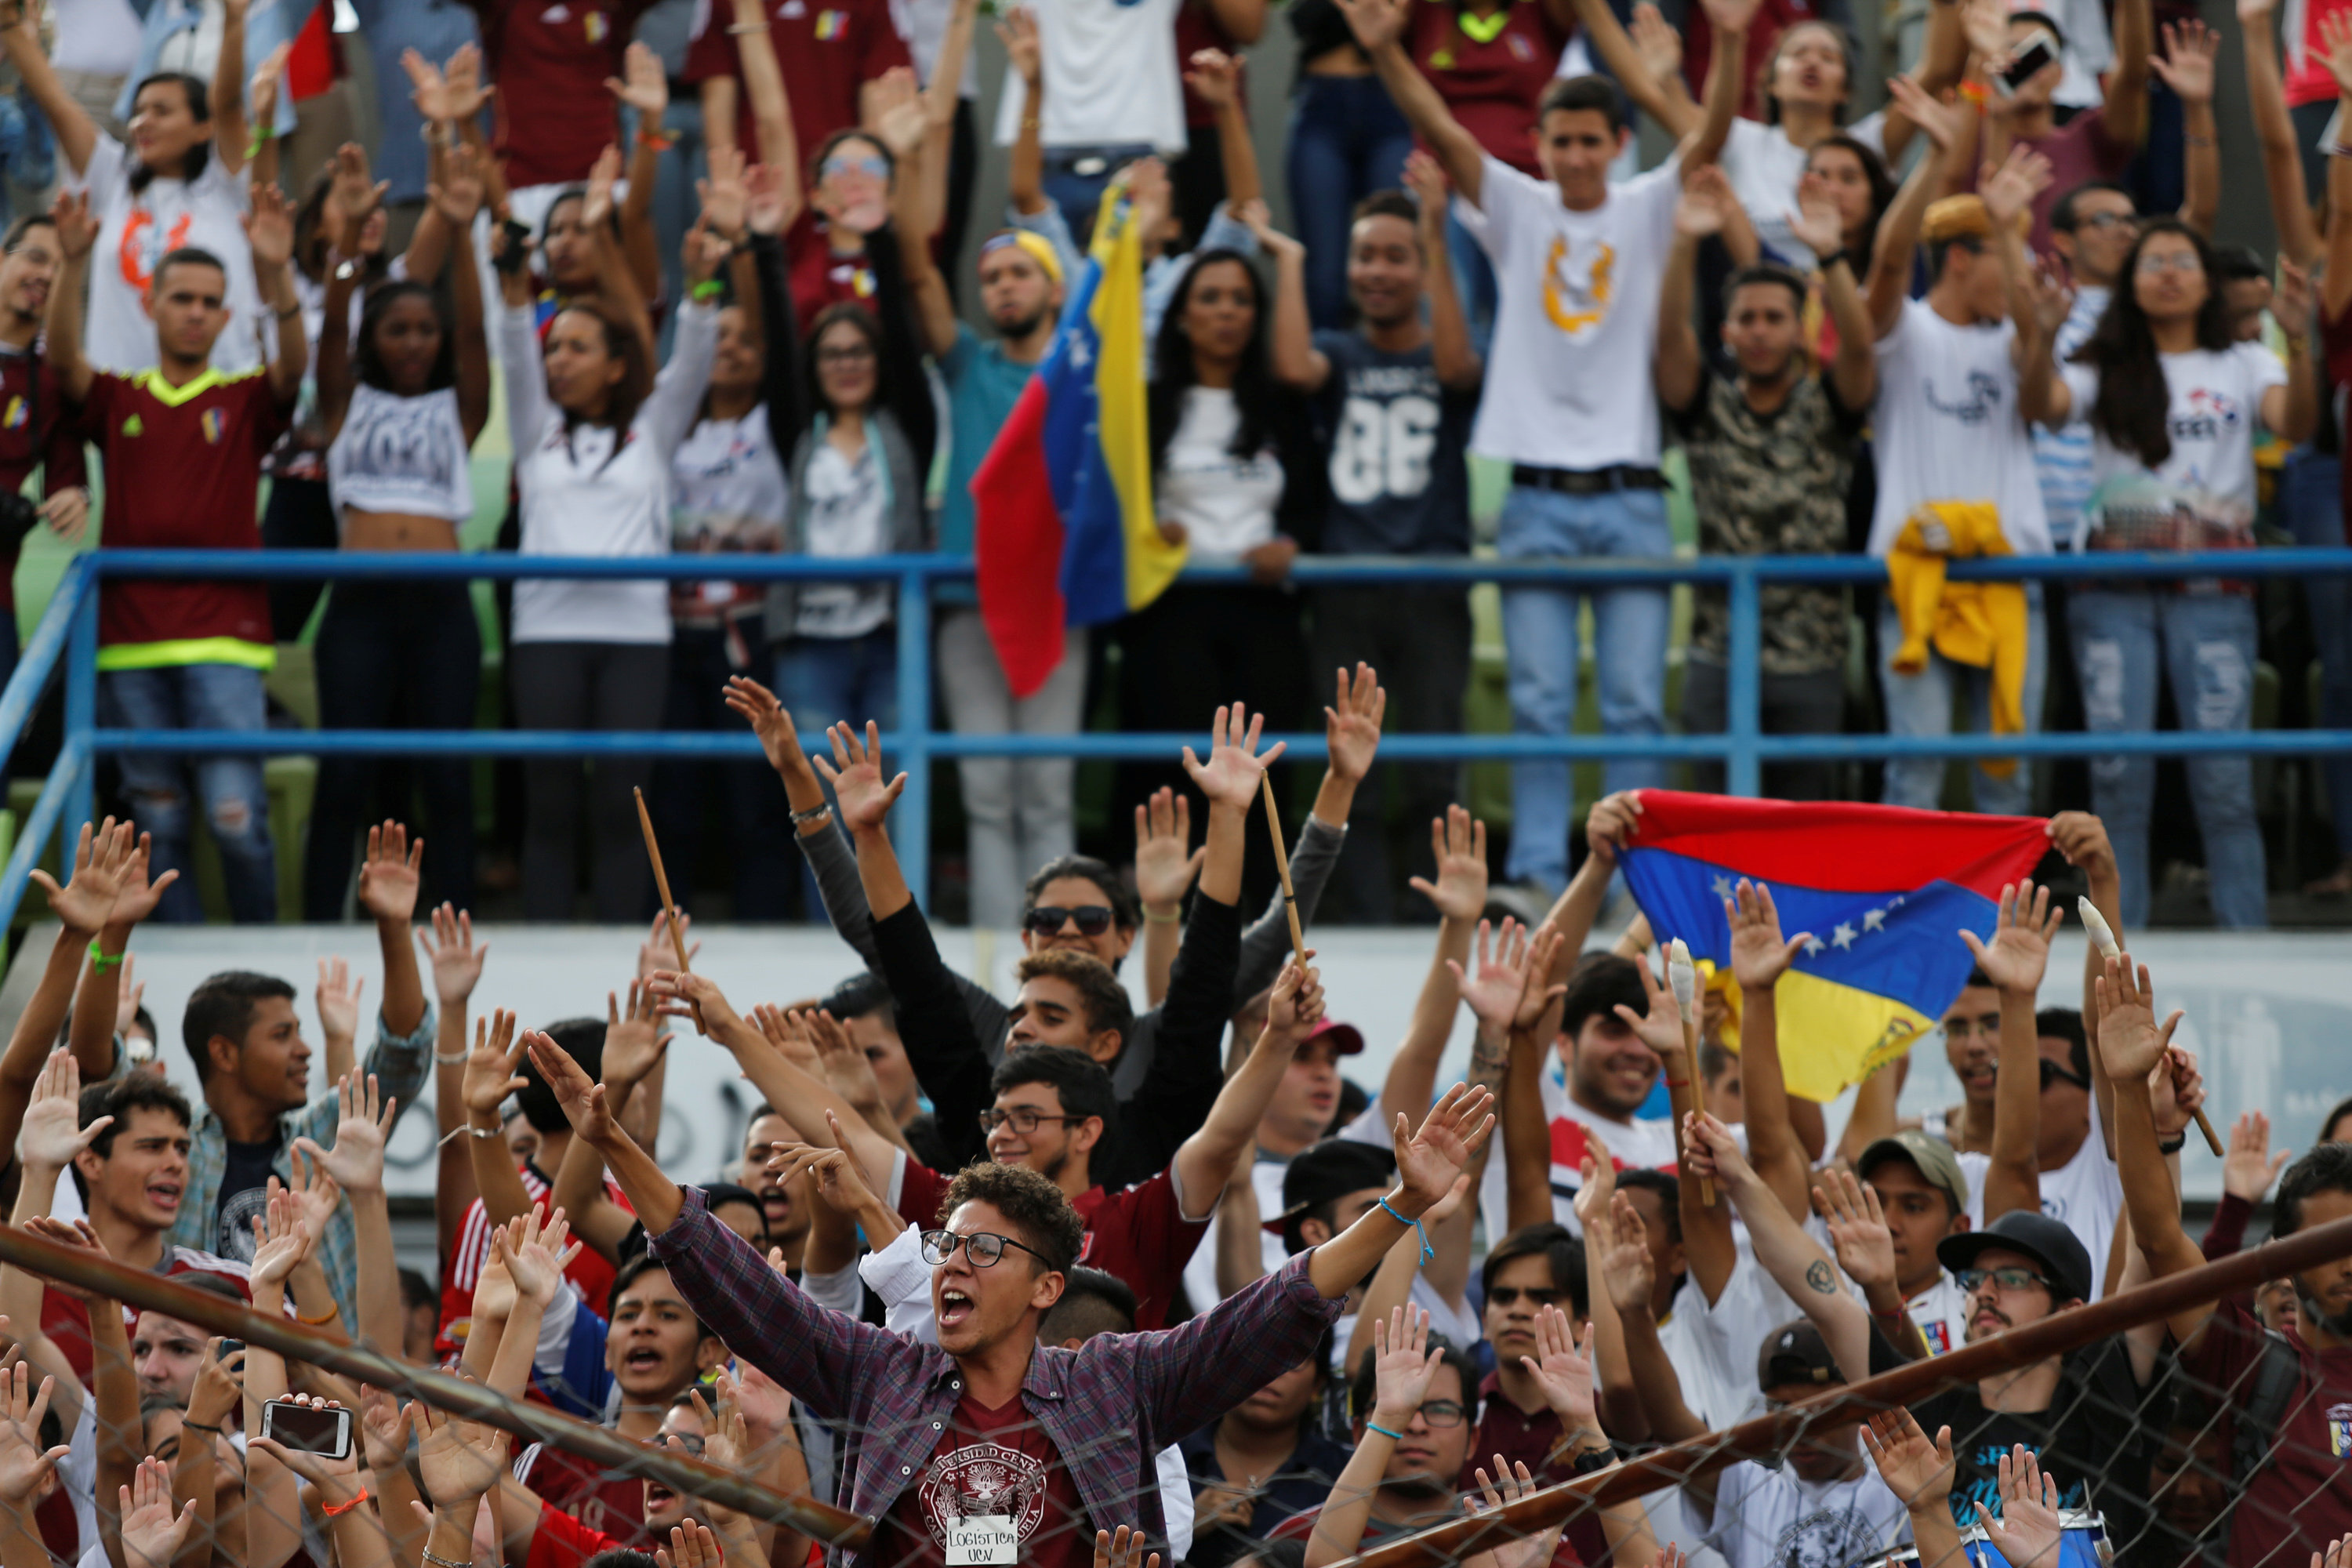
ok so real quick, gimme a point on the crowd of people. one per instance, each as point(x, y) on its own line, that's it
point(1988, 319)
point(999, 1278)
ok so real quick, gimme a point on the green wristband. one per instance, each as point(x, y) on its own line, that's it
point(100, 962)
point(708, 289)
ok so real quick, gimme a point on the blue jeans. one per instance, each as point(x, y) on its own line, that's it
point(1347, 141)
point(2312, 500)
point(1921, 704)
point(156, 787)
point(1074, 178)
point(684, 161)
point(1474, 282)
point(1539, 641)
point(824, 682)
point(2208, 645)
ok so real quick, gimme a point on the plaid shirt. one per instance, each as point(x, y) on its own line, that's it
point(1110, 1406)
point(399, 1063)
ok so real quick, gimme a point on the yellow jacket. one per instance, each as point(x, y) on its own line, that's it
point(1978, 623)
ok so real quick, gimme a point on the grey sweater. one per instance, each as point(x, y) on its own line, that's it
point(1265, 944)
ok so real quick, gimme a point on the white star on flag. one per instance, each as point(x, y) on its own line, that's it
point(1814, 946)
point(1844, 935)
point(1873, 919)
point(1723, 887)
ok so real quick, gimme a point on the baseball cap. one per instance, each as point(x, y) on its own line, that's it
point(2047, 1241)
point(1330, 1170)
point(1796, 1352)
point(1346, 1038)
point(1932, 1156)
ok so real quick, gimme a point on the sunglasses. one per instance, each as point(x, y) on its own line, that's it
point(839, 163)
point(982, 1246)
point(1048, 919)
point(1509, 1295)
point(2052, 1073)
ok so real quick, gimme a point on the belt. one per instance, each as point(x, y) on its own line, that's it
point(1588, 481)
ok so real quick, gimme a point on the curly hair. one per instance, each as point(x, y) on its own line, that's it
point(1107, 1003)
point(1029, 1202)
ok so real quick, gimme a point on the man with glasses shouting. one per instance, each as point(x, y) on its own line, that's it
point(1067, 1436)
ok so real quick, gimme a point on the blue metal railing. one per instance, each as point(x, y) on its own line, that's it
point(68, 631)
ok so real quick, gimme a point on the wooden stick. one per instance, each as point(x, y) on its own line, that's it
point(2212, 1138)
point(1686, 1098)
point(669, 907)
point(1282, 864)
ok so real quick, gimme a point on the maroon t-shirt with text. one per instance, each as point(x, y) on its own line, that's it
point(2301, 1500)
point(989, 1462)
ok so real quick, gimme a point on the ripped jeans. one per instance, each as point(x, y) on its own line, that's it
point(2207, 643)
point(155, 787)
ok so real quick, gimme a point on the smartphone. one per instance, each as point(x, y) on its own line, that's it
point(2020, 71)
point(308, 1429)
point(229, 1348)
point(517, 254)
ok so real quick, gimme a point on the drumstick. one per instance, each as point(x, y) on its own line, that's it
point(2104, 935)
point(1683, 976)
point(670, 908)
point(1282, 864)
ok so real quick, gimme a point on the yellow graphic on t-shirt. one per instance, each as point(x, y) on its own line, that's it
point(1573, 307)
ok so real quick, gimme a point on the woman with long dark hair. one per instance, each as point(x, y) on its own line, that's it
point(399, 410)
point(1235, 480)
point(595, 434)
point(2174, 403)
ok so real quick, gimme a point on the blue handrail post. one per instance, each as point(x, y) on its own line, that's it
point(1744, 775)
point(913, 840)
point(81, 710)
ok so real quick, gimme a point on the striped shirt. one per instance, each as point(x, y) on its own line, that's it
point(2062, 458)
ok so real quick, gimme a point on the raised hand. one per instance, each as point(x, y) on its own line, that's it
point(269, 229)
point(1759, 955)
point(1351, 725)
point(1912, 1467)
point(1598, 1184)
point(136, 897)
point(456, 960)
point(1661, 1028)
point(2130, 1040)
point(356, 1164)
point(456, 1460)
point(596, 204)
point(642, 85)
point(1122, 1549)
point(635, 1040)
point(338, 1000)
point(856, 774)
point(1425, 176)
point(691, 1545)
point(835, 1173)
point(337, 1479)
point(352, 196)
point(1936, 121)
point(1562, 1368)
point(1214, 77)
point(2010, 189)
point(1376, 23)
point(770, 721)
point(1295, 1006)
point(1731, 16)
point(696, 997)
point(468, 92)
point(582, 1100)
point(261, 92)
point(219, 1386)
point(2081, 841)
point(1613, 822)
point(83, 904)
point(390, 875)
point(1499, 1491)
point(1457, 843)
point(2186, 66)
point(383, 1430)
point(1857, 1227)
point(77, 228)
point(1816, 221)
point(2020, 952)
point(1710, 1151)
point(536, 1257)
point(427, 89)
point(152, 1534)
point(1403, 1364)
point(2248, 1168)
point(2293, 301)
point(724, 196)
point(766, 207)
point(1429, 1159)
point(493, 1068)
point(1164, 870)
point(657, 952)
point(1660, 46)
point(2175, 1092)
point(2026, 1534)
point(1499, 973)
point(2052, 293)
point(1018, 33)
point(1702, 209)
point(23, 1461)
point(76, 1234)
point(281, 1235)
point(1230, 776)
point(51, 1133)
point(1626, 1266)
point(460, 191)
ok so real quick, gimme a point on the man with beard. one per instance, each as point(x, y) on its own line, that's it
point(34, 432)
point(1393, 400)
point(2288, 1395)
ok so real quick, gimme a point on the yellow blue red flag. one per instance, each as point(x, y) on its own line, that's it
point(1884, 891)
point(1066, 535)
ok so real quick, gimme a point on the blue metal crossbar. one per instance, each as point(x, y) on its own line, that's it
point(68, 633)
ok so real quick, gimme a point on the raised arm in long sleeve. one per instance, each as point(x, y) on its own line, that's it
point(1187, 1065)
point(935, 1025)
point(1267, 942)
point(526, 379)
point(677, 392)
point(835, 866)
point(783, 390)
point(909, 390)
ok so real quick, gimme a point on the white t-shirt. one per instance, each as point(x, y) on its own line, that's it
point(1941, 1311)
point(1949, 429)
point(848, 518)
point(2085, 1195)
point(1112, 74)
point(100, 37)
point(1764, 168)
point(2216, 407)
point(1225, 503)
point(1569, 383)
point(134, 233)
point(1770, 1518)
point(1646, 1142)
point(398, 454)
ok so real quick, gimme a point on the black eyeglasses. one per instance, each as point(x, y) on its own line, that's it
point(689, 1441)
point(1046, 920)
point(982, 1246)
point(1443, 1412)
point(1509, 1295)
point(1971, 1280)
point(2052, 1073)
point(1025, 1121)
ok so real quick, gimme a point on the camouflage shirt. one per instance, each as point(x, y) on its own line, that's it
point(1771, 484)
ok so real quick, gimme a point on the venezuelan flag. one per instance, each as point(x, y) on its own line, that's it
point(1065, 530)
point(1884, 891)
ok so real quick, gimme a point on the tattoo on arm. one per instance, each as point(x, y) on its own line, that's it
point(1821, 1279)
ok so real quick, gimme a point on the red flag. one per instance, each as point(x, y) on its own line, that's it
point(1017, 547)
